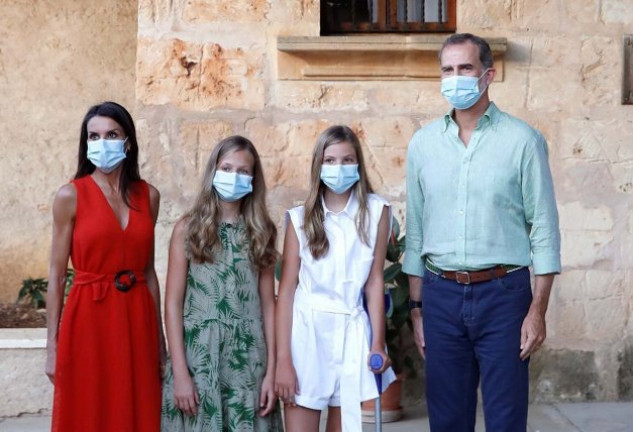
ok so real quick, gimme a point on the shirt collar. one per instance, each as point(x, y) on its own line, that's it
point(350, 208)
point(490, 117)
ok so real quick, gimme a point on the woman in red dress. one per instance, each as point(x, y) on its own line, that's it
point(106, 350)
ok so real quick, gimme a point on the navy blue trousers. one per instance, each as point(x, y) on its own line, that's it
point(473, 332)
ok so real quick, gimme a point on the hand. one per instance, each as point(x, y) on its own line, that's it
point(185, 394)
point(49, 367)
point(386, 361)
point(267, 396)
point(418, 331)
point(533, 332)
point(286, 384)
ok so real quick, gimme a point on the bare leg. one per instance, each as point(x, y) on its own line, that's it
point(300, 419)
point(333, 419)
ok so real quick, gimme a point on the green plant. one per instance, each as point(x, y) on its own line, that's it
point(33, 291)
point(397, 284)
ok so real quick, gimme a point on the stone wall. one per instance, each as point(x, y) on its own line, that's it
point(57, 58)
point(207, 68)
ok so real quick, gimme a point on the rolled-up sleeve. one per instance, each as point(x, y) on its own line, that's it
point(412, 264)
point(540, 209)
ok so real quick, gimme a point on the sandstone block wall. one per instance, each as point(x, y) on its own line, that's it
point(207, 68)
point(57, 58)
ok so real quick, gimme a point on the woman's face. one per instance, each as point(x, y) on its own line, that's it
point(100, 127)
point(342, 153)
point(240, 161)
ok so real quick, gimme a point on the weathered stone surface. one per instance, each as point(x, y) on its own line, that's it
point(599, 57)
point(152, 13)
point(417, 98)
point(549, 90)
point(206, 69)
point(210, 11)
point(198, 76)
point(53, 66)
point(308, 96)
point(293, 11)
point(557, 53)
point(590, 305)
point(484, 15)
point(564, 375)
point(579, 15)
point(573, 216)
point(616, 12)
point(591, 179)
point(623, 177)
point(386, 140)
point(585, 248)
point(25, 387)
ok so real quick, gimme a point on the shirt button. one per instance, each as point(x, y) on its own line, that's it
point(461, 212)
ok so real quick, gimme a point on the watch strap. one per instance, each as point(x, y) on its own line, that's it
point(415, 304)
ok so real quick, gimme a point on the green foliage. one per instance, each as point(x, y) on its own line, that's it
point(398, 314)
point(33, 291)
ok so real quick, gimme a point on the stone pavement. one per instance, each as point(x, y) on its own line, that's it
point(560, 417)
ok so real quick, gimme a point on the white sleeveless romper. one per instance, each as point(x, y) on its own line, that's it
point(331, 333)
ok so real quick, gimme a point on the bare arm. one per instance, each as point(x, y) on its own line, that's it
point(185, 394)
point(64, 210)
point(375, 290)
point(267, 300)
point(415, 294)
point(533, 330)
point(152, 279)
point(285, 377)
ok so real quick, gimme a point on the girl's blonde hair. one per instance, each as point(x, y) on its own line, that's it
point(202, 238)
point(314, 215)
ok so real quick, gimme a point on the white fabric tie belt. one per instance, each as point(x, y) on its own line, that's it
point(355, 345)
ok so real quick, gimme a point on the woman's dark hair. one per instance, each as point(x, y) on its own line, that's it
point(129, 166)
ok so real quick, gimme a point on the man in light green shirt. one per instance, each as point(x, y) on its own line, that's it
point(480, 210)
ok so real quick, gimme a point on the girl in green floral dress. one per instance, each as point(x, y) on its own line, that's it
point(219, 302)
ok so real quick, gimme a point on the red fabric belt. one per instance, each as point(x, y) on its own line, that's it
point(123, 280)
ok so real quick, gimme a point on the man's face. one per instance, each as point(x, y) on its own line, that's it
point(461, 59)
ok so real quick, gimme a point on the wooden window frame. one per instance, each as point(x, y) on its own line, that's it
point(387, 20)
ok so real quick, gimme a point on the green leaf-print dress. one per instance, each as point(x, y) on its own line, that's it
point(224, 344)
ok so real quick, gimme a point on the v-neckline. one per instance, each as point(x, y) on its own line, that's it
point(112, 212)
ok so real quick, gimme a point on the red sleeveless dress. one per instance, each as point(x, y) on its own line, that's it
point(107, 370)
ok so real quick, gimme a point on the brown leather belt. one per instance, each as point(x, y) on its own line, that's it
point(470, 277)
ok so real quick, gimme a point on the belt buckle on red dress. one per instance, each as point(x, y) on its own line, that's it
point(123, 285)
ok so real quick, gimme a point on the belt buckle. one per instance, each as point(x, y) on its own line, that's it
point(122, 285)
point(459, 279)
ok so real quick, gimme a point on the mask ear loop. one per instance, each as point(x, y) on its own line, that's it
point(482, 75)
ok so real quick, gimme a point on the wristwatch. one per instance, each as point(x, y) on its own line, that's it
point(414, 305)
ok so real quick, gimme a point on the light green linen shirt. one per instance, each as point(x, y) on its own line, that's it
point(471, 208)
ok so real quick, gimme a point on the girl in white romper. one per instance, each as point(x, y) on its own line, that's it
point(334, 253)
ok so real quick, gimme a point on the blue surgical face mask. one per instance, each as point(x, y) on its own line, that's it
point(232, 186)
point(339, 178)
point(462, 92)
point(106, 154)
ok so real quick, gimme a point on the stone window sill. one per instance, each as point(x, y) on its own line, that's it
point(367, 57)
